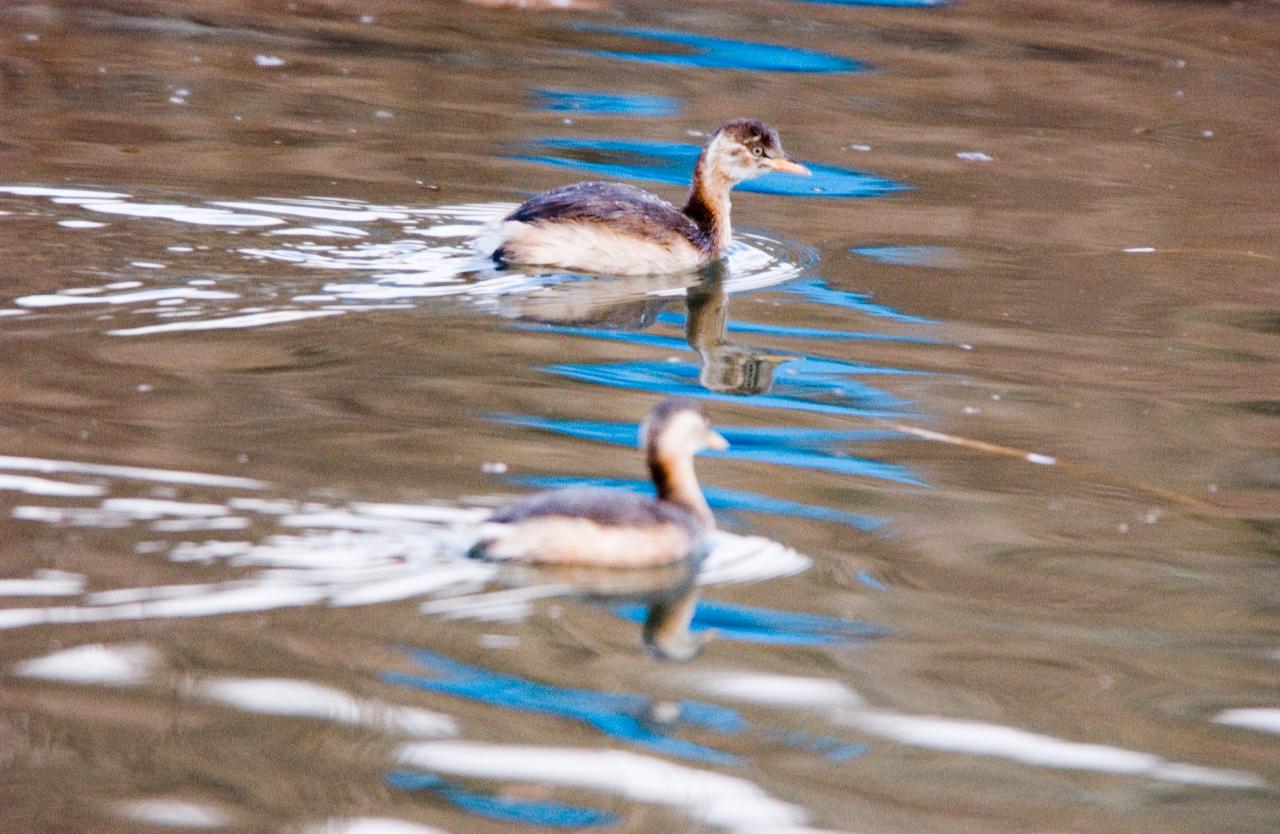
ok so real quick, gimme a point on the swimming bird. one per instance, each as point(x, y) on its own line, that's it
point(623, 230)
point(614, 528)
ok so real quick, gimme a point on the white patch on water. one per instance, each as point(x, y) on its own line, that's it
point(304, 699)
point(319, 231)
point(43, 486)
point(149, 508)
point(777, 690)
point(44, 583)
point(61, 194)
point(195, 215)
point(67, 297)
point(1266, 719)
point(174, 813)
point(168, 476)
point(735, 559)
point(983, 739)
point(233, 322)
point(704, 796)
point(318, 210)
point(119, 665)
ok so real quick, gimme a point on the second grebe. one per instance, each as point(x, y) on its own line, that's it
point(613, 528)
point(623, 230)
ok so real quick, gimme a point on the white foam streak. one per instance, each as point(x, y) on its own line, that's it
point(448, 230)
point(64, 299)
point(250, 320)
point(983, 739)
point(778, 690)
point(430, 513)
point(195, 215)
point(356, 214)
point(151, 508)
point(736, 559)
point(122, 665)
point(45, 583)
point(167, 476)
point(1266, 719)
point(66, 194)
point(303, 699)
point(494, 606)
point(189, 525)
point(319, 231)
point(43, 486)
point(123, 595)
point(174, 813)
point(228, 599)
point(705, 796)
point(414, 585)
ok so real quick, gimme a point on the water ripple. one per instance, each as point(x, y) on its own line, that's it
point(388, 256)
point(628, 104)
point(358, 553)
point(723, 53)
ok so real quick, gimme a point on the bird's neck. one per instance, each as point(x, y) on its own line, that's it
point(666, 626)
point(708, 204)
point(678, 483)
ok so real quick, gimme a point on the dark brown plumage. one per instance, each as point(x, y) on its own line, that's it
point(624, 208)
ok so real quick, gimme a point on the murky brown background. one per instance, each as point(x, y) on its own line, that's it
point(1123, 598)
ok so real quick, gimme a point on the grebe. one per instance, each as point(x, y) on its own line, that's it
point(613, 528)
point(623, 230)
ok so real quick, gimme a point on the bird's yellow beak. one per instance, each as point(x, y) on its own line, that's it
point(786, 166)
point(716, 441)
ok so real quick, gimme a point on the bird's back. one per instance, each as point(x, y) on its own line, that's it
point(626, 208)
point(603, 227)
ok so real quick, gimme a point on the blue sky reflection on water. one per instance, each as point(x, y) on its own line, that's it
point(620, 715)
point(678, 320)
point(801, 383)
point(904, 255)
point(723, 53)
point(629, 716)
point(818, 291)
point(672, 162)
point(767, 625)
point(833, 394)
point(542, 812)
point(624, 104)
point(772, 448)
point(725, 500)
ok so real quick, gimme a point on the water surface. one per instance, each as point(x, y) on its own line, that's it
point(1001, 511)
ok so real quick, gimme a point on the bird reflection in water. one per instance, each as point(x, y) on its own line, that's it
point(724, 367)
point(668, 593)
point(634, 304)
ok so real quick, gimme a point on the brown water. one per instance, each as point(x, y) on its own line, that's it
point(258, 389)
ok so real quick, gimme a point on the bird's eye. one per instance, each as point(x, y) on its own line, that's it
point(758, 151)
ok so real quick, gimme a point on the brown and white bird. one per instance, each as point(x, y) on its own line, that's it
point(619, 229)
point(614, 528)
